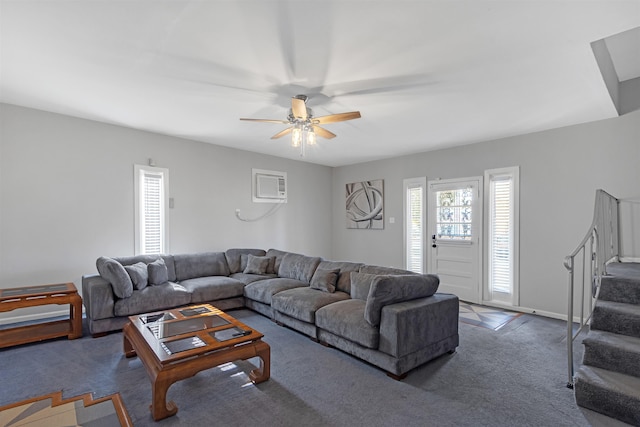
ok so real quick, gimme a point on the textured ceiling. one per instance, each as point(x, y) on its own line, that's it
point(424, 74)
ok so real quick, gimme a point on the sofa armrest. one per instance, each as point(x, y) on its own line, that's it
point(97, 296)
point(409, 326)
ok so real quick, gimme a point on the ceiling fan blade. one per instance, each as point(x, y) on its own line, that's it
point(286, 122)
point(378, 85)
point(298, 108)
point(323, 132)
point(341, 117)
point(282, 133)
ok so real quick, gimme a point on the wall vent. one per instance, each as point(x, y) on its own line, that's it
point(269, 186)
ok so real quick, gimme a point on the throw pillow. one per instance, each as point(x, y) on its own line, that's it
point(271, 269)
point(256, 264)
point(158, 273)
point(325, 280)
point(112, 271)
point(138, 274)
point(360, 285)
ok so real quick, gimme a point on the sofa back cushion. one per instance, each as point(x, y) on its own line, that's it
point(234, 258)
point(397, 288)
point(299, 267)
point(278, 255)
point(376, 269)
point(148, 259)
point(114, 272)
point(189, 266)
point(361, 284)
point(344, 278)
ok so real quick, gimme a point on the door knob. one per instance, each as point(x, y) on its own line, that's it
point(433, 240)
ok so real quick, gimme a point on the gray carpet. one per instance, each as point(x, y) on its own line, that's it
point(515, 376)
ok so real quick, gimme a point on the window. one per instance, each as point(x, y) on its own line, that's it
point(502, 280)
point(414, 223)
point(152, 197)
point(453, 214)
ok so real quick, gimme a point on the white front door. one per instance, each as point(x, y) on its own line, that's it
point(455, 232)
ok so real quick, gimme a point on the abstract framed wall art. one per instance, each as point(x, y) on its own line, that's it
point(364, 204)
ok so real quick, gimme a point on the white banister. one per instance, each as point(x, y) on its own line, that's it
point(599, 246)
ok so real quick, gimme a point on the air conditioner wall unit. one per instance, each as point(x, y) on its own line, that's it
point(269, 186)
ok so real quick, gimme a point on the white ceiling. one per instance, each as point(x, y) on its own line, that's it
point(424, 74)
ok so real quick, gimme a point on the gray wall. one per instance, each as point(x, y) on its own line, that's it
point(66, 197)
point(559, 172)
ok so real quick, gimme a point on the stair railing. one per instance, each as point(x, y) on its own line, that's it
point(588, 263)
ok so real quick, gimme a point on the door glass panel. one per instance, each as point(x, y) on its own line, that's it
point(453, 214)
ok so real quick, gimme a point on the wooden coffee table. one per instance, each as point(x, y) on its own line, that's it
point(33, 296)
point(176, 344)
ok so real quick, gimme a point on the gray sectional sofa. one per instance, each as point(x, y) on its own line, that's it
point(391, 318)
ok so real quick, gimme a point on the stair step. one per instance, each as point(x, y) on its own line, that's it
point(614, 352)
point(624, 269)
point(611, 393)
point(616, 317)
point(620, 289)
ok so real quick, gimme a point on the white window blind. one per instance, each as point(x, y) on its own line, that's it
point(501, 234)
point(502, 187)
point(414, 224)
point(151, 203)
point(152, 217)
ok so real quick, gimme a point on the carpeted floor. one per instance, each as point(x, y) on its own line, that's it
point(513, 376)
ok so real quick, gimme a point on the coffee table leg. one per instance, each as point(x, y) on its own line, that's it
point(264, 372)
point(160, 408)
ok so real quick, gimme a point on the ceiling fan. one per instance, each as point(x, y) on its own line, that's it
point(304, 127)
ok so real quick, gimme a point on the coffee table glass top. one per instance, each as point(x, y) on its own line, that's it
point(164, 328)
point(184, 332)
point(18, 292)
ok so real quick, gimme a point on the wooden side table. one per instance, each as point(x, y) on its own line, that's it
point(32, 296)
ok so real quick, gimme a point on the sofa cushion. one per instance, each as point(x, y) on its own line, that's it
point(138, 274)
point(112, 271)
point(250, 278)
point(325, 280)
point(299, 267)
point(360, 285)
point(148, 259)
point(302, 303)
point(397, 288)
point(346, 319)
point(376, 269)
point(213, 288)
point(344, 278)
point(257, 264)
point(158, 273)
point(152, 298)
point(203, 264)
point(235, 255)
point(263, 290)
point(277, 255)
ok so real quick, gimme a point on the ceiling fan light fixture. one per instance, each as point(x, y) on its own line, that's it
point(304, 127)
point(311, 136)
point(296, 137)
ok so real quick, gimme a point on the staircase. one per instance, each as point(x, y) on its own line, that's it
point(608, 381)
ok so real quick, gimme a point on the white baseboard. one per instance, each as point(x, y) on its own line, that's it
point(527, 310)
